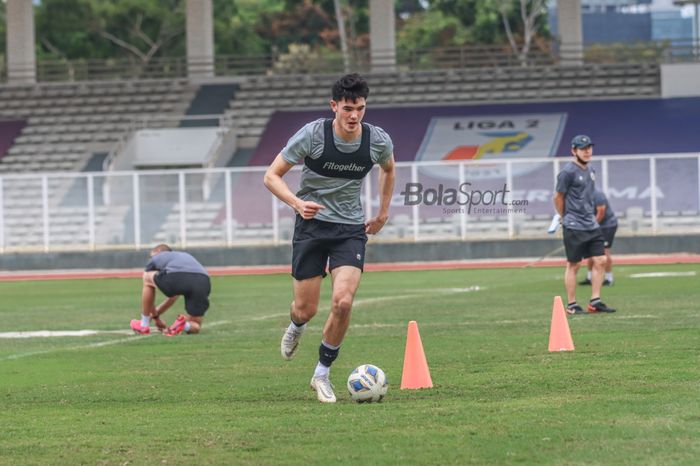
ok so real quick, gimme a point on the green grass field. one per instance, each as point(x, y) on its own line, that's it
point(629, 394)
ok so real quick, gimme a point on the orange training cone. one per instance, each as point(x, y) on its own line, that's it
point(415, 367)
point(559, 333)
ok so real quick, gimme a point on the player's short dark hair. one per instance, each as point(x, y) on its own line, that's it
point(160, 248)
point(350, 87)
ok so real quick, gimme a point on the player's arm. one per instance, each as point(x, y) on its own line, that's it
point(599, 213)
point(564, 180)
point(164, 306)
point(559, 203)
point(387, 175)
point(277, 186)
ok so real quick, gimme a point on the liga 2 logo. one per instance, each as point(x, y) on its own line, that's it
point(489, 137)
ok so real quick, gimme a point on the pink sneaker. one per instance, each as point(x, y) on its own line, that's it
point(177, 327)
point(138, 328)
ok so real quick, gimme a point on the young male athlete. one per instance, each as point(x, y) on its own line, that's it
point(175, 273)
point(330, 227)
point(574, 202)
point(607, 220)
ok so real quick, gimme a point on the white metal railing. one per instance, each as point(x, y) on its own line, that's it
point(230, 206)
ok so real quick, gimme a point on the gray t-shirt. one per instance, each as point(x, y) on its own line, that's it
point(339, 196)
point(609, 219)
point(578, 187)
point(175, 261)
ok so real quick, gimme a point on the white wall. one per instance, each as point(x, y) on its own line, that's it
point(175, 147)
point(680, 80)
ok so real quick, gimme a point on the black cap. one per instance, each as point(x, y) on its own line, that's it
point(581, 141)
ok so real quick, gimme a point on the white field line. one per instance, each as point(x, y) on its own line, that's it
point(95, 345)
point(363, 302)
point(662, 274)
point(62, 333)
point(47, 333)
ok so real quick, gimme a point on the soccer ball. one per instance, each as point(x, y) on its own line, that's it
point(367, 383)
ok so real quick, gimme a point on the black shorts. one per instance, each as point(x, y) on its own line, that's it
point(609, 235)
point(582, 244)
point(195, 287)
point(317, 243)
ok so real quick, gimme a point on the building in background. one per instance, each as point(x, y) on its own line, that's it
point(629, 21)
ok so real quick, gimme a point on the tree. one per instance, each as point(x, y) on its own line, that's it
point(530, 10)
point(235, 24)
point(306, 23)
point(85, 29)
point(483, 19)
point(64, 31)
point(143, 28)
point(3, 37)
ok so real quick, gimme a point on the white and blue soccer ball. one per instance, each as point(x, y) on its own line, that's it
point(367, 383)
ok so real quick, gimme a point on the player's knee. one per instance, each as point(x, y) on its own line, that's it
point(148, 279)
point(599, 261)
point(342, 303)
point(305, 310)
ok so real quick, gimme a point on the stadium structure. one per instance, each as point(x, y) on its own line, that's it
point(99, 161)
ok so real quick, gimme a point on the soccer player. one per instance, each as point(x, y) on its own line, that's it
point(174, 273)
point(607, 220)
point(330, 227)
point(574, 202)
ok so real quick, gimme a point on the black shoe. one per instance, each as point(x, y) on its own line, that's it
point(584, 282)
point(576, 309)
point(599, 307)
point(607, 282)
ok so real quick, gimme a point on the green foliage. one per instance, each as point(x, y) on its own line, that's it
point(461, 22)
point(431, 29)
point(235, 23)
point(136, 29)
point(141, 29)
point(3, 28)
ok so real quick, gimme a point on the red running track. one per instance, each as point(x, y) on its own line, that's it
point(379, 267)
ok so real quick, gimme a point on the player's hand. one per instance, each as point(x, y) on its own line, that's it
point(373, 225)
point(160, 324)
point(308, 209)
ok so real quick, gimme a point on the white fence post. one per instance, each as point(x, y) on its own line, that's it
point(91, 210)
point(2, 218)
point(181, 187)
point(275, 220)
point(137, 210)
point(45, 209)
point(652, 180)
point(509, 182)
point(462, 210)
point(415, 209)
point(228, 207)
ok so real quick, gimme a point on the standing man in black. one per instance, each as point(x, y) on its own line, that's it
point(574, 201)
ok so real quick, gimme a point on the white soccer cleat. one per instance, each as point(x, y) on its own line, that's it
point(324, 389)
point(290, 341)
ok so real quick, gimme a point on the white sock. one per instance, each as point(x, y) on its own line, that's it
point(608, 276)
point(321, 371)
point(145, 320)
point(296, 328)
point(589, 275)
point(187, 326)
